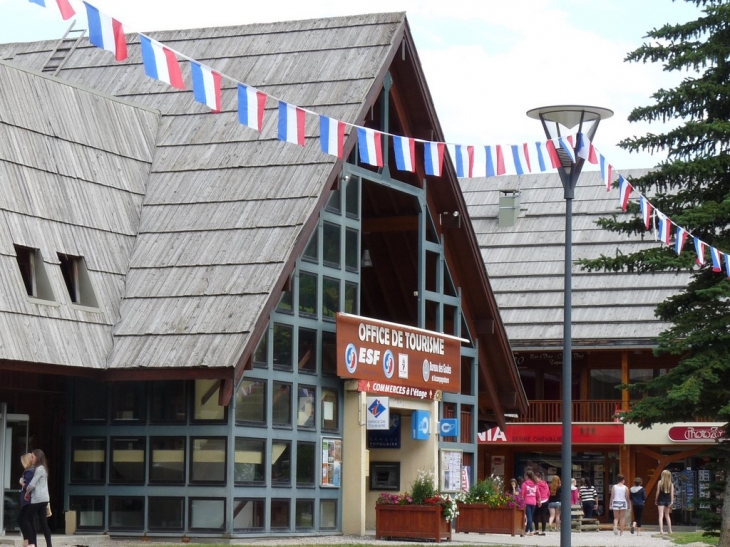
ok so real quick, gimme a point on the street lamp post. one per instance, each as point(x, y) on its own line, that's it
point(558, 121)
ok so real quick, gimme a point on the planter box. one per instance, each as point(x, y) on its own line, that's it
point(411, 521)
point(479, 518)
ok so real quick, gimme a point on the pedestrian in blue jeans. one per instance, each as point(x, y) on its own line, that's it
point(529, 494)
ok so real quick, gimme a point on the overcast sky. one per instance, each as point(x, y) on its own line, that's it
point(486, 61)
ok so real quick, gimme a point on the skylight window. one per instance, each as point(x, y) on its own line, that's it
point(77, 280)
point(33, 271)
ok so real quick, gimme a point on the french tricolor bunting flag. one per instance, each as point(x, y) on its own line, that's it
point(606, 172)
point(161, 63)
point(464, 161)
point(681, 239)
point(521, 157)
point(405, 153)
point(700, 250)
point(727, 265)
point(495, 160)
point(586, 149)
point(206, 86)
point(291, 123)
point(251, 104)
point(553, 153)
point(63, 6)
point(541, 152)
point(331, 136)
point(716, 263)
point(106, 32)
point(624, 192)
point(664, 228)
point(370, 145)
point(433, 158)
point(567, 145)
point(645, 210)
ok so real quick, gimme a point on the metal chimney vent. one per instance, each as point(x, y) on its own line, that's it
point(509, 208)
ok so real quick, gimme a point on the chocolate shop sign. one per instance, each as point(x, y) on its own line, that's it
point(368, 349)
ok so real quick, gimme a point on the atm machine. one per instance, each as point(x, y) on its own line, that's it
point(13, 444)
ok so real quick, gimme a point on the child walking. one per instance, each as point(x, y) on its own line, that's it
point(637, 496)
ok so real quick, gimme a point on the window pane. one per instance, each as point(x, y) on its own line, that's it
point(333, 203)
point(327, 514)
point(307, 294)
point(352, 197)
point(89, 511)
point(251, 402)
point(248, 467)
point(311, 252)
point(280, 463)
point(126, 513)
point(285, 304)
point(128, 460)
point(280, 514)
point(351, 256)
point(168, 402)
point(88, 460)
point(305, 514)
point(167, 459)
point(165, 513)
point(329, 353)
point(128, 402)
point(307, 350)
point(331, 244)
point(248, 515)
point(281, 405)
point(306, 464)
point(351, 298)
point(305, 407)
point(207, 514)
point(283, 343)
point(90, 401)
point(206, 401)
point(208, 460)
point(330, 297)
point(603, 384)
point(261, 355)
point(330, 409)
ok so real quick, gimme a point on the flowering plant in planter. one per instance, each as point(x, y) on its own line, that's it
point(490, 492)
point(423, 492)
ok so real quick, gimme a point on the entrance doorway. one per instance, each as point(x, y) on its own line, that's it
point(13, 444)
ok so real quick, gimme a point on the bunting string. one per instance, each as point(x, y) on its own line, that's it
point(161, 63)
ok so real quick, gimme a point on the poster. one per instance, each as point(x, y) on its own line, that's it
point(331, 462)
point(451, 463)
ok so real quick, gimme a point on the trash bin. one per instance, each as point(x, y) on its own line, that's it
point(70, 523)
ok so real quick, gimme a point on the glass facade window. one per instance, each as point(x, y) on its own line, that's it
point(168, 404)
point(88, 460)
point(604, 384)
point(329, 353)
point(261, 355)
point(351, 298)
point(330, 410)
point(249, 461)
point(206, 407)
point(251, 402)
point(330, 297)
point(208, 459)
point(89, 511)
point(280, 463)
point(127, 460)
point(207, 513)
point(333, 203)
point(352, 258)
point(281, 405)
point(128, 402)
point(328, 514)
point(286, 303)
point(352, 197)
point(126, 513)
point(331, 244)
point(311, 252)
point(304, 515)
point(305, 406)
point(307, 294)
point(167, 460)
point(165, 513)
point(283, 344)
point(306, 464)
point(90, 401)
point(280, 509)
point(248, 515)
point(307, 353)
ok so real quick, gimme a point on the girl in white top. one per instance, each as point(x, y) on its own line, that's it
point(619, 504)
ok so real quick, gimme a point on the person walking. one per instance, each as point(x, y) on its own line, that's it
point(543, 494)
point(588, 497)
point(28, 470)
point(637, 497)
point(665, 499)
point(37, 494)
point(554, 504)
point(529, 494)
point(574, 493)
point(619, 504)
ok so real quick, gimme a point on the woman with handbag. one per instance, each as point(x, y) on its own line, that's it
point(37, 494)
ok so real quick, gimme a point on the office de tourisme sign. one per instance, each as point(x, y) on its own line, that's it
point(368, 349)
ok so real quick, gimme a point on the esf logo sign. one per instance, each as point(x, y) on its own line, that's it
point(369, 357)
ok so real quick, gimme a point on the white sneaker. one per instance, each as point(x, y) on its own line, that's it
point(615, 530)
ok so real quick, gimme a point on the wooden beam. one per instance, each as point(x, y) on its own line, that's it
point(390, 224)
point(664, 460)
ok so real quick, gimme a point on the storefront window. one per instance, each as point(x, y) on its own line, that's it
point(168, 405)
point(249, 461)
point(206, 404)
point(604, 383)
point(283, 344)
point(249, 515)
point(330, 410)
point(126, 513)
point(90, 401)
point(165, 513)
point(327, 514)
point(305, 515)
point(330, 297)
point(208, 459)
point(306, 464)
point(251, 402)
point(167, 460)
point(89, 511)
point(207, 514)
point(128, 402)
point(281, 405)
point(127, 461)
point(305, 407)
point(307, 294)
point(88, 460)
point(307, 350)
point(281, 463)
point(280, 514)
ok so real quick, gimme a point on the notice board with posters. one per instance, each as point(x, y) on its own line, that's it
point(450, 475)
point(331, 462)
point(378, 351)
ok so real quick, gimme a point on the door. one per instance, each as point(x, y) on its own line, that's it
point(13, 444)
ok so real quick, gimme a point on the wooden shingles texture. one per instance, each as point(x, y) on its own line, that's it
point(73, 171)
point(526, 264)
point(225, 205)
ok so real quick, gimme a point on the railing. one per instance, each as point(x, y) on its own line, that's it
point(583, 411)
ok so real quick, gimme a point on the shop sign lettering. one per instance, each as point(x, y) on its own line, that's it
point(695, 434)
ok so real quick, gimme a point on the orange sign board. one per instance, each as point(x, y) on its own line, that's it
point(369, 349)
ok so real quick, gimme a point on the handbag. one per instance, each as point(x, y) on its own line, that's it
point(48, 510)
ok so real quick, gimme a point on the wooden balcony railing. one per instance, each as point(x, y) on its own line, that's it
point(583, 411)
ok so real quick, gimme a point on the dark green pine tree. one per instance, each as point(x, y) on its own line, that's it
point(692, 187)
